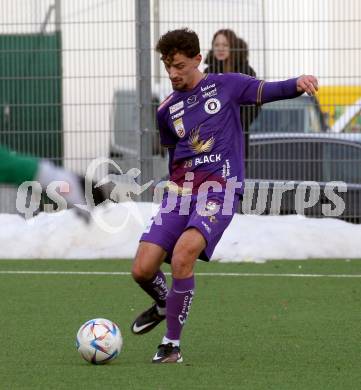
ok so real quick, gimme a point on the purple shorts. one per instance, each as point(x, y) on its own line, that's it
point(167, 227)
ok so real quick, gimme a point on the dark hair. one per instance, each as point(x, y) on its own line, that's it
point(184, 41)
point(238, 57)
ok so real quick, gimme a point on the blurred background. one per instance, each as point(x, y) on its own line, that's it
point(81, 79)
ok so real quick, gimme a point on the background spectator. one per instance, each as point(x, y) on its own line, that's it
point(229, 53)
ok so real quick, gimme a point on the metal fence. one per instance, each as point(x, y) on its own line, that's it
point(81, 79)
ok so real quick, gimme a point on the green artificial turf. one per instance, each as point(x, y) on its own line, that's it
point(243, 332)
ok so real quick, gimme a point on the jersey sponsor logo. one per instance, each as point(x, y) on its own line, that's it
point(212, 106)
point(178, 115)
point(197, 145)
point(226, 169)
point(209, 94)
point(176, 107)
point(207, 87)
point(187, 303)
point(179, 127)
point(192, 99)
point(208, 159)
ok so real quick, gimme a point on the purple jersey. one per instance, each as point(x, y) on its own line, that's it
point(204, 126)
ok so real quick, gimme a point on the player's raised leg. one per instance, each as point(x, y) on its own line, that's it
point(146, 272)
point(186, 251)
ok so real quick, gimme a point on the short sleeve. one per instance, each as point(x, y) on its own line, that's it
point(244, 89)
point(167, 138)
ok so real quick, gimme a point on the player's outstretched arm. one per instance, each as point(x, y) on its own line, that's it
point(271, 91)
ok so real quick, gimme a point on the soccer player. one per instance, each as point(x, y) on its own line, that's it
point(17, 168)
point(199, 123)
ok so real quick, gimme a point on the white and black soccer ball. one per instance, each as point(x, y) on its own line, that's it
point(99, 341)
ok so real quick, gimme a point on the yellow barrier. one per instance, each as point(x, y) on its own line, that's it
point(335, 99)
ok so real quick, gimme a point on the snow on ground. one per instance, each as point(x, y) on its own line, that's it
point(116, 228)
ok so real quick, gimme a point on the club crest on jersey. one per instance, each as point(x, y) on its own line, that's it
point(176, 107)
point(179, 127)
point(211, 205)
point(212, 106)
point(209, 211)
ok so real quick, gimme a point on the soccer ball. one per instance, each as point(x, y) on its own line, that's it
point(99, 341)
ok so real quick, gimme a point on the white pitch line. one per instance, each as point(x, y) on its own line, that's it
point(221, 274)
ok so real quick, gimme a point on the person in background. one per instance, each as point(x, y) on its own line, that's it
point(229, 53)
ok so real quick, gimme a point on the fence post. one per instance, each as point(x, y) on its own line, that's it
point(144, 94)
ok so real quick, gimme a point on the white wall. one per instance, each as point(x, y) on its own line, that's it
point(98, 58)
point(23, 16)
point(311, 36)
